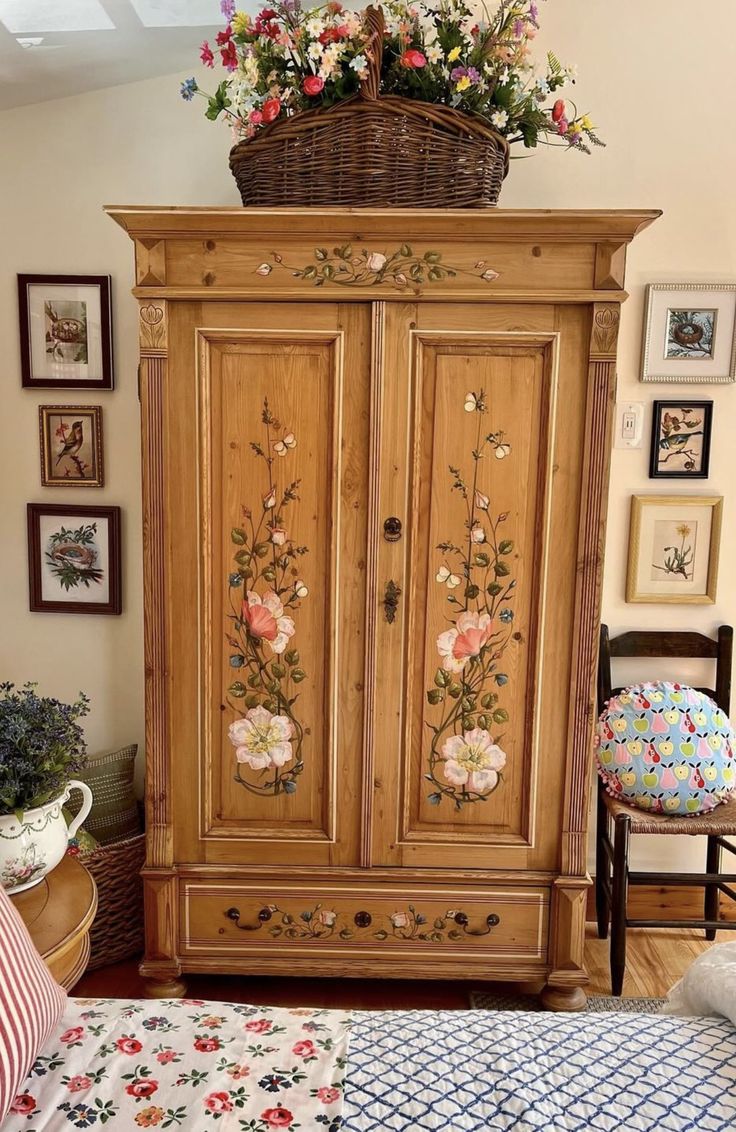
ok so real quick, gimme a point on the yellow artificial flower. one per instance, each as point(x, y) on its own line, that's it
point(240, 23)
point(462, 84)
point(453, 55)
point(586, 122)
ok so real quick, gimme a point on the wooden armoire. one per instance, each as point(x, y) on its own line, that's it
point(375, 457)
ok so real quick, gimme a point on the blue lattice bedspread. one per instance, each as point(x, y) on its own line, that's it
point(540, 1072)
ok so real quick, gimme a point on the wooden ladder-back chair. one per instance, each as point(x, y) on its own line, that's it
point(613, 875)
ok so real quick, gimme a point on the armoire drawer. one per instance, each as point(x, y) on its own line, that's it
point(510, 921)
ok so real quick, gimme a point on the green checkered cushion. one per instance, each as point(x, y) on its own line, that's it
point(114, 814)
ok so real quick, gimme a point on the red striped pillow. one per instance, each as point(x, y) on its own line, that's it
point(31, 1003)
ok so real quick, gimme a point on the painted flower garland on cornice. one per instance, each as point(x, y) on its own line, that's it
point(403, 269)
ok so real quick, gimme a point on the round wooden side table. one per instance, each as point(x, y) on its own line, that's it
point(58, 913)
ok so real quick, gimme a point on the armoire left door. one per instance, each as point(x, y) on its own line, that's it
point(267, 442)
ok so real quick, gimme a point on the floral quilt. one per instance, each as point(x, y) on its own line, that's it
point(186, 1064)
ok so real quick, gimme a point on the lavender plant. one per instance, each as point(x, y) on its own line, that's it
point(41, 746)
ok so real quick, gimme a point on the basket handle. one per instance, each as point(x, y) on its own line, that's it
point(375, 25)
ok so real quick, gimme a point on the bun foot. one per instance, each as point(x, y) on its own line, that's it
point(563, 998)
point(164, 988)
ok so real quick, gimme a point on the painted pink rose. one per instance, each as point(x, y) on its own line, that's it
point(399, 919)
point(265, 619)
point(278, 1117)
point(328, 1095)
point(376, 261)
point(473, 759)
point(305, 1048)
point(142, 1087)
point(128, 1045)
point(72, 1035)
point(23, 1105)
point(262, 739)
point(326, 917)
point(457, 645)
point(206, 1045)
point(258, 1025)
point(218, 1102)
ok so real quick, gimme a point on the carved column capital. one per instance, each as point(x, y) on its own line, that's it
point(604, 334)
point(153, 327)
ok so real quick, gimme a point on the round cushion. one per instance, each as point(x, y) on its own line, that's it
point(666, 748)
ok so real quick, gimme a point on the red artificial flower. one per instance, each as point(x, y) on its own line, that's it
point(229, 56)
point(206, 1045)
point(271, 110)
point(128, 1045)
point(267, 14)
point(224, 37)
point(218, 1102)
point(335, 7)
point(23, 1105)
point(413, 59)
point(563, 126)
point(256, 118)
point(141, 1088)
point(206, 55)
point(333, 34)
point(277, 1117)
point(313, 84)
point(558, 110)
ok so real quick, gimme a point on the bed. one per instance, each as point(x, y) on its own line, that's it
point(199, 1066)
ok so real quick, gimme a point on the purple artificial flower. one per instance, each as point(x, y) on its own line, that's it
point(227, 7)
point(518, 28)
point(473, 75)
point(533, 13)
point(457, 73)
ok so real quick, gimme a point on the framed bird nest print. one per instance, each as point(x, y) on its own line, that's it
point(680, 440)
point(690, 333)
point(674, 543)
point(65, 331)
point(74, 559)
point(71, 445)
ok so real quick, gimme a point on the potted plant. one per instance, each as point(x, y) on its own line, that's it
point(41, 746)
point(409, 104)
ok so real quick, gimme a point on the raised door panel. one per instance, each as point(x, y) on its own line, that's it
point(282, 436)
point(482, 472)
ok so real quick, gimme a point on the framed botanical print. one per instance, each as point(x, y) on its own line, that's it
point(674, 542)
point(71, 445)
point(681, 439)
point(74, 559)
point(65, 331)
point(690, 333)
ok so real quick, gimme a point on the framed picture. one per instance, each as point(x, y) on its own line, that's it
point(71, 445)
point(681, 440)
point(74, 559)
point(674, 542)
point(690, 333)
point(65, 331)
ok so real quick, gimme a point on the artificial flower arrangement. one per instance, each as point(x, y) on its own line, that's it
point(288, 59)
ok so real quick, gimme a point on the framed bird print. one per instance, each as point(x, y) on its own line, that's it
point(674, 545)
point(681, 440)
point(690, 333)
point(65, 331)
point(74, 559)
point(71, 445)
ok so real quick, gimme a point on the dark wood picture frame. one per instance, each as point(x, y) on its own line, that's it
point(50, 458)
point(681, 472)
point(37, 602)
point(105, 378)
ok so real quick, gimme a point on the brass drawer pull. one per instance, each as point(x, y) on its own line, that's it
point(390, 601)
point(263, 917)
point(462, 921)
point(392, 529)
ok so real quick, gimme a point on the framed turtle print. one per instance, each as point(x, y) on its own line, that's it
point(674, 543)
point(74, 559)
point(690, 333)
point(65, 331)
point(71, 445)
point(680, 439)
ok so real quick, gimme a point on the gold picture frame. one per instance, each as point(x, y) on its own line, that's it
point(674, 545)
point(71, 445)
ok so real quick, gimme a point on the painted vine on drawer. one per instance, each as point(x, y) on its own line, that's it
point(322, 923)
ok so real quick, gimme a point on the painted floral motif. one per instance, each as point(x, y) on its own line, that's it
point(267, 1067)
point(321, 922)
point(465, 759)
point(265, 591)
point(405, 268)
point(23, 868)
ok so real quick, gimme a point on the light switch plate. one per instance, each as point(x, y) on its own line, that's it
point(629, 428)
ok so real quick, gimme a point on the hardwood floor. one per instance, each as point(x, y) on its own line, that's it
point(656, 960)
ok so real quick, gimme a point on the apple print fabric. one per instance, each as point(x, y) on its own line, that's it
point(666, 748)
point(188, 1064)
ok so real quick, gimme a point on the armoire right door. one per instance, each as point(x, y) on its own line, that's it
point(481, 410)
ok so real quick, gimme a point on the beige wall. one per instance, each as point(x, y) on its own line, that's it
point(653, 86)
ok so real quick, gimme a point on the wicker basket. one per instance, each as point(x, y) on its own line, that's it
point(371, 150)
point(117, 931)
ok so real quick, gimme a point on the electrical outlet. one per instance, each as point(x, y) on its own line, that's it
point(629, 424)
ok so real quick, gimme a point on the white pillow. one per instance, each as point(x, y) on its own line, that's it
point(708, 987)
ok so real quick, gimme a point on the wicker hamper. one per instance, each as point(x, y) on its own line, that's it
point(373, 150)
point(117, 931)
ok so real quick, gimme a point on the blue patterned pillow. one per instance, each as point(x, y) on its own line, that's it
point(666, 748)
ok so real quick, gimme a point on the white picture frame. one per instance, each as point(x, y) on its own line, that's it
point(690, 333)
